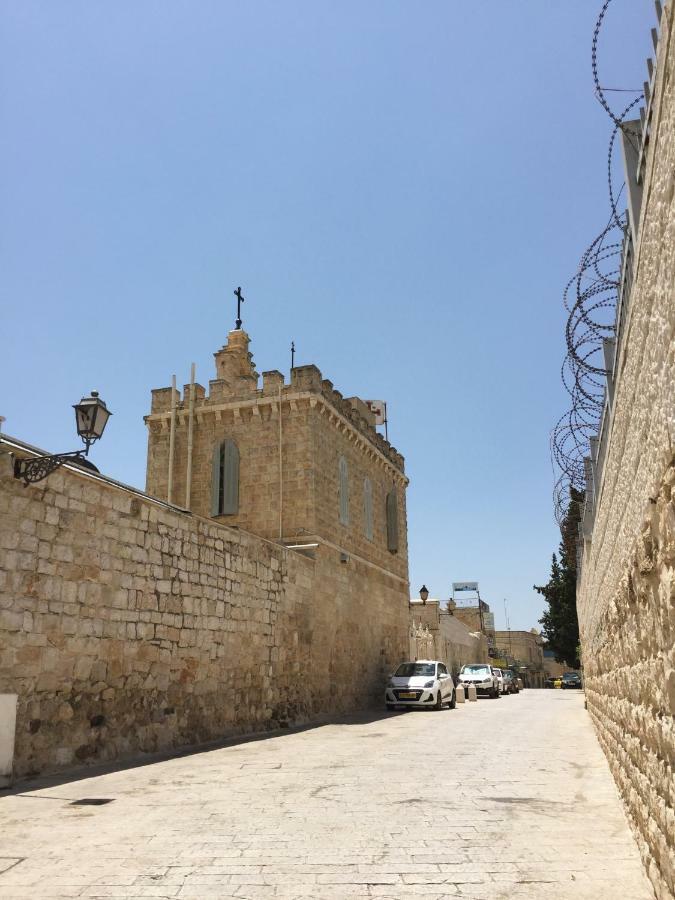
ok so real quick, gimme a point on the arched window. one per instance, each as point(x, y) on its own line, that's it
point(225, 479)
point(343, 490)
point(392, 521)
point(368, 508)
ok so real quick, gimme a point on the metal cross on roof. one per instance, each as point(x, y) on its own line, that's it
point(240, 300)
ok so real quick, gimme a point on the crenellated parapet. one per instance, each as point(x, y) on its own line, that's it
point(237, 386)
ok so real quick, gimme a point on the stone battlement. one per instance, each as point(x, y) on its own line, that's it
point(236, 385)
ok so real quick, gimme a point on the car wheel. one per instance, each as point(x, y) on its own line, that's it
point(391, 707)
point(439, 700)
point(453, 701)
point(494, 693)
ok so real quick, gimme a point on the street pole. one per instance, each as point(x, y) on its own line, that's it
point(508, 628)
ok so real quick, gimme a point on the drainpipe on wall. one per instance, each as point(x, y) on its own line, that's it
point(191, 415)
point(281, 473)
point(172, 441)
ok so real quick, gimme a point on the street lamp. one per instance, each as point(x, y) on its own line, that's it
point(424, 593)
point(91, 417)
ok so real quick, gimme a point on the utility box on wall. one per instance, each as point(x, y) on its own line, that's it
point(7, 731)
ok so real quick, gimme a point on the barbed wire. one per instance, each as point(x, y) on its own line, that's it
point(590, 298)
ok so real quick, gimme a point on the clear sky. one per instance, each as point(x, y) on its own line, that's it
point(401, 188)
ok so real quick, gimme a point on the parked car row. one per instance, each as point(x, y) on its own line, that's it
point(490, 680)
point(568, 680)
point(427, 683)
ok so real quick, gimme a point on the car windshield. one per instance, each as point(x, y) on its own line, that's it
point(474, 670)
point(570, 676)
point(408, 670)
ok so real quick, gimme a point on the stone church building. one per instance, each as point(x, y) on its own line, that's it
point(293, 463)
point(260, 581)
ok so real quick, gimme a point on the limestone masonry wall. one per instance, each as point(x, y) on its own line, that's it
point(127, 626)
point(626, 593)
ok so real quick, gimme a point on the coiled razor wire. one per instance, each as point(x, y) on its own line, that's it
point(590, 298)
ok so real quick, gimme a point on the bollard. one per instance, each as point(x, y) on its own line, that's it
point(460, 697)
point(472, 693)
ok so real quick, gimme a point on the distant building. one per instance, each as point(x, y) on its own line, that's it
point(552, 667)
point(476, 615)
point(526, 648)
point(437, 633)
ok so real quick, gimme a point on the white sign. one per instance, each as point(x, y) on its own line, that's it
point(379, 409)
point(465, 585)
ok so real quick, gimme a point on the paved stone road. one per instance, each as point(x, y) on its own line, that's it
point(497, 799)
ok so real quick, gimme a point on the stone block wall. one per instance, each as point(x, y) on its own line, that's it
point(626, 592)
point(330, 442)
point(628, 632)
point(128, 626)
point(254, 426)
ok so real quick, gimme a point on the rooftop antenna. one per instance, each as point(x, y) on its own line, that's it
point(292, 355)
point(240, 300)
point(508, 627)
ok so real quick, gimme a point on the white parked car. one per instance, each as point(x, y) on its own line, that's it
point(425, 682)
point(500, 678)
point(482, 676)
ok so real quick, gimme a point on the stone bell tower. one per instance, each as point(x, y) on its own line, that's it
point(292, 462)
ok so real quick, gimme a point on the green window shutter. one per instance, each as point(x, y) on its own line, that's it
point(343, 490)
point(216, 480)
point(230, 478)
point(368, 508)
point(392, 522)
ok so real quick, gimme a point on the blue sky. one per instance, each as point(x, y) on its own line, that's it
point(401, 188)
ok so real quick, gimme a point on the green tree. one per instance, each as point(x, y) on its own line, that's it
point(560, 625)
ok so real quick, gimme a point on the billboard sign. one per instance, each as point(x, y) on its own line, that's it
point(464, 585)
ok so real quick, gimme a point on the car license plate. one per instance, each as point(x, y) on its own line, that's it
point(407, 695)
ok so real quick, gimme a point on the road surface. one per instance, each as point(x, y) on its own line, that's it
point(497, 799)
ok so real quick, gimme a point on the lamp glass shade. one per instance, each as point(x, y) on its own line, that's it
point(91, 417)
point(424, 593)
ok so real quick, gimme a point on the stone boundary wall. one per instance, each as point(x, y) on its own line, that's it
point(626, 593)
point(129, 627)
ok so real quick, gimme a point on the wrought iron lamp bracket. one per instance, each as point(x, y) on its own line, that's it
point(33, 470)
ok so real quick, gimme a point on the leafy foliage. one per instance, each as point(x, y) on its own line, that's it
point(560, 626)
